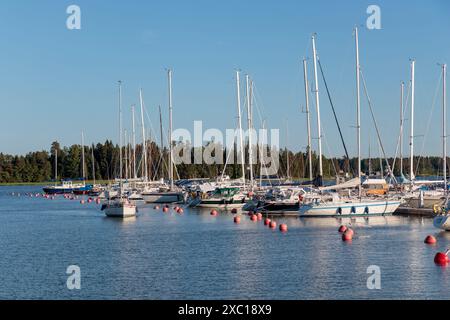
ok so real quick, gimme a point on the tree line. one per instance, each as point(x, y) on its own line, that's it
point(102, 163)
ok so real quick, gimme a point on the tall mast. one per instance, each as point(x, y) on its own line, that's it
point(82, 157)
point(402, 92)
point(308, 119)
point(93, 163)
point(316, 91)
point(169, 74)
point(120, 132)
point(411, 137)
point(358, 109)
point(444, 125)
point(144, 144)
point(238, 95)
point(126, 152)
point(249, 125)
point(134, 141)
point(286, 149)
point(56, 166)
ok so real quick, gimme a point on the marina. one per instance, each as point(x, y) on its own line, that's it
point(243, 151)
point(158, 255)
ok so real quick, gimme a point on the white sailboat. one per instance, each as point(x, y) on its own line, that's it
point(162, 193)
point(335, 205)
point(443, 221)
point(120, 207)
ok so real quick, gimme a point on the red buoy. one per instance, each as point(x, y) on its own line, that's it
point(259, 216)
point(214, 212)
point(237, 219)
point(180, 211)
point(267, 222)
point(283, 227)
point(441, 258)
point(165, 209)
point(350, 231)
point(347, 236)
point(342, 229)
point(272, 225)
point(254, 217)
point(430, 240)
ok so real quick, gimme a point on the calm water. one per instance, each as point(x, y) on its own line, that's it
point(196, 256)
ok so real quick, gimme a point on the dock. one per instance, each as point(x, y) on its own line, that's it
point(422, 212)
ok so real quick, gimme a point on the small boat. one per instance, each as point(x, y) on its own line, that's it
point(119, 208)
point(65, 187)
point(281, 200)
point(223, 198)
point(159, 195)
point(83, 189)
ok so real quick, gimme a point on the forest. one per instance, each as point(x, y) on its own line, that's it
point(102, 163)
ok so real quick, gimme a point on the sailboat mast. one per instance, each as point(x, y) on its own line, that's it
point(402, 92)
point(82, 156)
point(286, 149)
point(358, 109)
point(316, 91)
point(238, 90)
point(169, 74)
point(144, 144)
point(93, 164)
point(444, 124)
point(56, 166)
point(126, 152)
point(411, 137)
point(308, 119)
point(120, 132)
point(134, 140)
point(249, 125)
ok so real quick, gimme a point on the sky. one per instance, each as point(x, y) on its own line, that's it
point(56, 82)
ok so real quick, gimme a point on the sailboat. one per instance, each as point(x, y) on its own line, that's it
point(120, 207)
point(442, 221)
point(162, 193)
point(83, 188)
point(335, 205)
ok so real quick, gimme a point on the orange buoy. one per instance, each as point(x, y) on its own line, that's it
point(342, 229)
point(267, 222)
point(283, 227)
point(347, 236)
point(441, 258)
point(254, 217)
point(214, 212)
point(430, 240)
point(237, 219)
point(272, 225)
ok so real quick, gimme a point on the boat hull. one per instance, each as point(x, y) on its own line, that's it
point(56, 190)
point(124, 211)
point(162, 197)
point(350, 209)
point(442, 222)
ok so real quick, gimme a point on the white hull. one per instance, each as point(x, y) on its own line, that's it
point(220, 206)
point(162, 197)
point(355, 208)
point(120, 211)
point(442, 222)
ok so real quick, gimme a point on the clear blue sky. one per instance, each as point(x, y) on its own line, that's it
point(55, 82)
